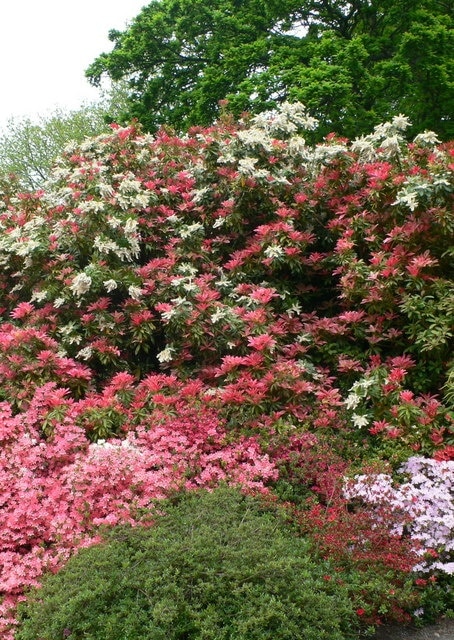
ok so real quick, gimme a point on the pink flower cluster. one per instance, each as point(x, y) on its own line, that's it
point(57, 490)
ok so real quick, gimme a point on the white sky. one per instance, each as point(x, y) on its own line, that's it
point(45, 47)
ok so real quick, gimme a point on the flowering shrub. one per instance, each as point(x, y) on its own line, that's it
point(371, 558)
point(29, 358)
point(57, 491)
point(201, 301)
point(420, 510)
point(277, 272)
point(424, 504)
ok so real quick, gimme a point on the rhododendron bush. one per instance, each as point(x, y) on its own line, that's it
point(175, 310)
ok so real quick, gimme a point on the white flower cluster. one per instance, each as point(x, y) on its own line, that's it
point(358, 391)
point(408, 198)
point(290, 117)
point(129, 229)
point(358, 395)
point(427, 139)
point(256, 137)
point(198, 195)
point(91, 206)
point(180, 306)
point(135, 292)
point(274, 251)
point(110, 285)
point(418, 190)
point(105, 245)
point(22, 240)
point(188, 230)
point(246, 167)
point(385, 141)
point(81, 284)
point(166, 355)
point(223, 313)
point(85, 353)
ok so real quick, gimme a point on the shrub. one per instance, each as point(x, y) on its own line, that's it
point(371, 556)
point(425, 503)
point(308, 282)
point(57, 490)
point(216, 565)
point(176, 309)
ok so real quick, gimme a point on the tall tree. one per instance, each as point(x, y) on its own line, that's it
point(353, 63)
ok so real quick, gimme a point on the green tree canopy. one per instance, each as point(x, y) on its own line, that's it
point(354, 64)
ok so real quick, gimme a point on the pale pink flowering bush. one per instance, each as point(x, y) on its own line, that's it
point(424, 503)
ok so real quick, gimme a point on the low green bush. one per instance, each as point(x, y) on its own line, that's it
point(215, 566)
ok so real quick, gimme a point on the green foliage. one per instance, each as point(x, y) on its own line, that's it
point(354, 64)
point(438, 598)
point(181, 58)
point(216, 566)
point(29, 147)
point(430, 317)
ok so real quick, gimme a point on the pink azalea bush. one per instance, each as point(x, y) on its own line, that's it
point(57, 490)
point(175, 310)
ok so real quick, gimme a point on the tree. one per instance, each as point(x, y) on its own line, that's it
point(181, 57)
point(28, 147)
point(354, 64)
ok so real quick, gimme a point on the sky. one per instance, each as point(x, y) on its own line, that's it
point(45, 47)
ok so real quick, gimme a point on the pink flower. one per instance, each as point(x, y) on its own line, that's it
point(397, 375)
point(407, 396)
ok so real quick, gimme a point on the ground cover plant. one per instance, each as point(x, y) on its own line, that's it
point(235, 305)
